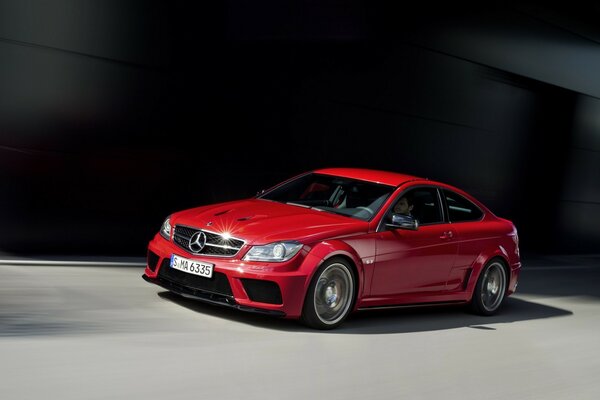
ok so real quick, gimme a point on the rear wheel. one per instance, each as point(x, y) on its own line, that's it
point(490, 289)
point(330, 295)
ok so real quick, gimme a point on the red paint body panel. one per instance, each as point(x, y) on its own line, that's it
point(259, 221)
point(392, 266)
point(413, 261)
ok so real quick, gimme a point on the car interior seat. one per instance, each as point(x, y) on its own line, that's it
point(425, 210)
point(353, 198)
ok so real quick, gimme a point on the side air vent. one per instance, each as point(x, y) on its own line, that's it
point(152, 260)
point(262, 291)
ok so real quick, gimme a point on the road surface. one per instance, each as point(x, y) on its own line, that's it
point(101, 332)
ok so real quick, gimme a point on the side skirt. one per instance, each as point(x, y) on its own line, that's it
point(415, 305)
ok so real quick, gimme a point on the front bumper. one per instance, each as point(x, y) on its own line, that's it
point(208, 297)
point(230, 285)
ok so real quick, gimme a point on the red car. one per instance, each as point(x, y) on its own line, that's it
point(331, 241)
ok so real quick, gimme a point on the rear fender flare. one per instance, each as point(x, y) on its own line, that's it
point(482, 259)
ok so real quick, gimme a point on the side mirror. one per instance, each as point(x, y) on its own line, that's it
point(402, 221)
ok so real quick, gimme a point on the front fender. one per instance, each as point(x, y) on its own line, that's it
point(324, 251)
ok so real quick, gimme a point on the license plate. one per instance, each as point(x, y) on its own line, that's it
point(192, 267)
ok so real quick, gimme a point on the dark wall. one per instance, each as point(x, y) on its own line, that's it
point(113, 115)
point(578, 217)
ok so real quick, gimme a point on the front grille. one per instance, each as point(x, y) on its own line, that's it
point(216, 244)
point(152, 260)
point(217, 284)
point(262, 291)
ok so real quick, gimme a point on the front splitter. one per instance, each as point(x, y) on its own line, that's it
point(209, 297)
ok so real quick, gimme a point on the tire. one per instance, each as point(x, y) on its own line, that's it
point(490, 290)
point(330, 296)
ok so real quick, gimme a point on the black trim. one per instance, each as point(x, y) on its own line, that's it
point(262, 291)
point(443, 206)
point(416, 305)
point(467, 277)
point(218, 284)
point(208, 297)
point(152, 260)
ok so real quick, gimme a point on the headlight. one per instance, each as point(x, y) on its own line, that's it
point(274, 252)
point(165, 230)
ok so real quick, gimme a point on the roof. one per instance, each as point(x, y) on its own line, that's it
point(384, 177)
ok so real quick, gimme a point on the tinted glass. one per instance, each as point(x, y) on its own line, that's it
point(349, 197)
point(461, 209)
point(425, 205)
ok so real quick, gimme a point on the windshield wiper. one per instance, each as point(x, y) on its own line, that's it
point(330, 210)
point(299, 205)
point(291, 203)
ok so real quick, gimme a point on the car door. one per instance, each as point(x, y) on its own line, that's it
point(473, 234)
point(415, 261)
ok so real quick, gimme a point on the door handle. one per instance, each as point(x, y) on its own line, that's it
point(447, 235)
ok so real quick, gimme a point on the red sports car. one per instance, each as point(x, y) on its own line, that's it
point(331, 241)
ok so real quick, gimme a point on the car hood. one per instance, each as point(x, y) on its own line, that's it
point(262, 221)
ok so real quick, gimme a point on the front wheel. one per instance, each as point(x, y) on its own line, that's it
point(330, 295)
point(490, 289)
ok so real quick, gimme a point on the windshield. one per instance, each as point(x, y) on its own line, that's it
point(349, 197)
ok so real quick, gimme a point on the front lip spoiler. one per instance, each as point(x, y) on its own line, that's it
point(208, 297)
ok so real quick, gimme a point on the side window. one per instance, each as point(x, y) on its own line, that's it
point(425, 205)
point(461, 209)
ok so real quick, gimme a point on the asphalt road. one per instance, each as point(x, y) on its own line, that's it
point(90, 332)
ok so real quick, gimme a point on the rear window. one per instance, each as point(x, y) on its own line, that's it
point(460, 209)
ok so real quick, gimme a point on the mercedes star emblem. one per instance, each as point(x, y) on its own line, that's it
point(197, 241)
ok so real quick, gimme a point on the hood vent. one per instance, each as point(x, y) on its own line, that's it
point(221, 213)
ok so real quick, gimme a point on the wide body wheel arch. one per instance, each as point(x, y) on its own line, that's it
point(324, 251)
point(481, 261)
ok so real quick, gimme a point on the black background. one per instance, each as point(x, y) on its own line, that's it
point(114, 114)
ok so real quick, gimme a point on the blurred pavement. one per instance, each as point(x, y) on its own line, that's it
point(97, 331)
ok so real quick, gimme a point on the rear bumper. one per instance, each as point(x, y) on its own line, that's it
point(515, 270)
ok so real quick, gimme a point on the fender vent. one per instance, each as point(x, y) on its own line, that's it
point(467, 276)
